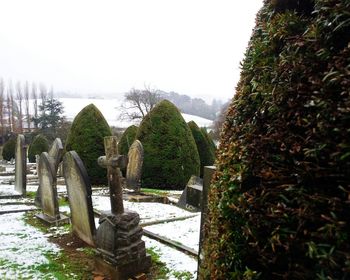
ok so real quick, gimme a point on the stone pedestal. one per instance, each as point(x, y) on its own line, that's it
point(59, 220)
point(119, 244)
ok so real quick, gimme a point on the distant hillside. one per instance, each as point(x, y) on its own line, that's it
point(193, 106)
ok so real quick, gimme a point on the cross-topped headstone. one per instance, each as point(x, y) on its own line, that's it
point(134, 168)
point(113, 161)
point(118, 238)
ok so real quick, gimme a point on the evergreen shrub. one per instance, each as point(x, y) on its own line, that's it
point(170, 153)
point(40, 144)
point(86, 137)
point(9, 149)
point(279, 205)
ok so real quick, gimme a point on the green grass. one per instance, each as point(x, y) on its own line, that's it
point(154, 191)
point(159, 267)
point(31, 195)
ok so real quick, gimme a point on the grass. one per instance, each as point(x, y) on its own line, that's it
point(154, 191)
point(31, 195)
point(159, 269)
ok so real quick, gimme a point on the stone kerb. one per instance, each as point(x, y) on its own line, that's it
point(79, 195)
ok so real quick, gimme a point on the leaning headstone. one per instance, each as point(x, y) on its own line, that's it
point(191, 197)
point(48, 192)
point(79, 196)
point(21, 166)
point(134, 167)
point(54, 156)
point(122, 253)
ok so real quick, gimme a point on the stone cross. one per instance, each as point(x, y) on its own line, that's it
point(113, 161)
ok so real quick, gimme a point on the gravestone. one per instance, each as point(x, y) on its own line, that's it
point(191, 197)
point(48, 192)
point(21, 165)
point(2, 168)
point(118, 238)
point(54, 156)
point(134, 167)
point(79, 195)
point(208, 173)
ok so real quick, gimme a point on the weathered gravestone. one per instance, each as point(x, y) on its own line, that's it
point(118, 238)
point(191, 197)
point(47, 190)
point(79, 195)
point(208, 173)
point(21, 166)
point(134, 167)
point(54, 156)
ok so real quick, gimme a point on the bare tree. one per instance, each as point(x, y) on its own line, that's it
point(138, 103)
point(26, 103)
point(35, 103)
point(19, 96)
point(11, 107)
point(2, 110)
point(42, 93)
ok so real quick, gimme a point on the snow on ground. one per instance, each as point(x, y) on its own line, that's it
point(22, 249)
point(185, 232)
point(148, 211)
point(174, 259)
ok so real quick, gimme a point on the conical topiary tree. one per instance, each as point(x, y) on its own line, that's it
point(86, 138)
point(209, 139)
point(279, 207)
point(206, 156)
point(40, 144)
point(127, 139)
point(170, 153)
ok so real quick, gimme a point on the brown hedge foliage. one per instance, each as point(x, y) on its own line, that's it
point(279, 206)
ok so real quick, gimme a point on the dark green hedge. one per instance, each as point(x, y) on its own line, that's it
point(206, 155)
point(210, 140)
point(127, 139)
point(171, 156)
point(9, 149)
point(86, 138)
point(279, 207)
point(40, 144)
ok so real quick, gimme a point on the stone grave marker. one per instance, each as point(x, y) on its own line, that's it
point(191, 197)
point(208, 173)
point(54, 156)
point(118, 238)
point(48, 192)
point(79, 195)
point(21, 165)
point(134, 167)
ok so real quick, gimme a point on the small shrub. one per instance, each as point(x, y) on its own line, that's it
point(40, 144)
point(9, 149)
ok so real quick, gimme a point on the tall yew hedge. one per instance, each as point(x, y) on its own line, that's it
point(206, 155)
point(170, 153)
point(86, 137)
point(279, 206)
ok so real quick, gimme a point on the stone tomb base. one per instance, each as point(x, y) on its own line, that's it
point(122, 253)
point(122, 272)
point(61, 220)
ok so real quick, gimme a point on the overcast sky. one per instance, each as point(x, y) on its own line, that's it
point(191, 47)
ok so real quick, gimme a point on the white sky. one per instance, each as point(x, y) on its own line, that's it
point(191, 47)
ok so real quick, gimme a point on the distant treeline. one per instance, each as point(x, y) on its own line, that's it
point(193, 106)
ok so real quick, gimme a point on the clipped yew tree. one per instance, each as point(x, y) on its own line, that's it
point(40, 144)
point(206, 155)
point(279, 206)
point(9, 149)
point(170, 152)
point(209, 139)
point(127, 139)
point(86, 138)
